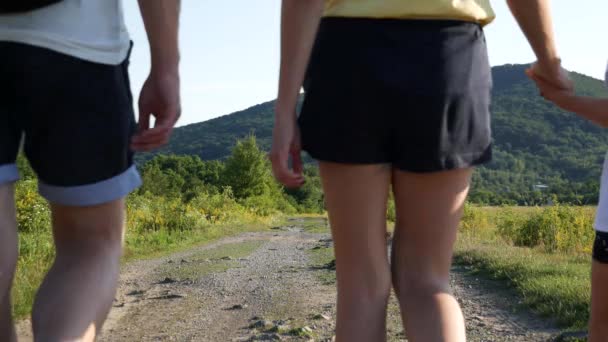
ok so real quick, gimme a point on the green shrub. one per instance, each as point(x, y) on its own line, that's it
point(510, 223)
point(476, 221)
point(33, 213)
point(559, 228)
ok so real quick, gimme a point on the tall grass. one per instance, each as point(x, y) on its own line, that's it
point(544, 253)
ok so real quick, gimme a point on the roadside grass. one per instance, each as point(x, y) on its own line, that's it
point(36, 255)
point(214, 260)
point(553, 285)
point(543, 253)
point(157, 244)
point(314, 224)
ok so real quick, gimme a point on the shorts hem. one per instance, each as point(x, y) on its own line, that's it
point(93, 194)
point(600, 228)
point(347, 161)
point(8, 173)
point(454, 162)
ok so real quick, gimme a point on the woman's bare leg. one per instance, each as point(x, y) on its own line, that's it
point(429, 208)
point(356, 199)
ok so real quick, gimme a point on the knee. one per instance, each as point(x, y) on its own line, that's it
point(381, 289)
point(90, 244)
point(369, 289)
point(88, 231)
point(409, 284)
point(8, 260)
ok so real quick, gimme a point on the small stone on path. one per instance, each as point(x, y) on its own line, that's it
point(238, 307)
point(167, 280)
point(136, 293)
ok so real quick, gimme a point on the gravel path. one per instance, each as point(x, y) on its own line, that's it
point(261, 287)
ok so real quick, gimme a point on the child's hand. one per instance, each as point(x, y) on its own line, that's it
point(552, 74)
point(550, 91)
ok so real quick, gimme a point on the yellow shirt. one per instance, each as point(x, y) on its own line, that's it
point(468, 10)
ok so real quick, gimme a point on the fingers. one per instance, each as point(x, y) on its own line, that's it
point(296, 158)
point(144, 119)
point(557, 78)
point(281, 171)
point(152, 139)
point(548, 90)
point(148, 139)
point(540, 82)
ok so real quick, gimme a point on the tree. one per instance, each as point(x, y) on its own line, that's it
point(247, 170)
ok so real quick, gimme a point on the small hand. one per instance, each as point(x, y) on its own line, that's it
point(551, 73)
point(550, 91)
point(160, 97)
point(285, 144)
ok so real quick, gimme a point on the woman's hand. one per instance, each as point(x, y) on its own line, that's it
point(552, 74)
point(286, 144)
point(551, 90)
point(299, 23)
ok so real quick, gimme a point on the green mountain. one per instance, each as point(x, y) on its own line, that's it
point(540, 150)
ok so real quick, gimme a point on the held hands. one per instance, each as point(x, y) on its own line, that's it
point(551, 92)
point(160, 97)
point(285, 144)
point(552, 81)
point(552, 73)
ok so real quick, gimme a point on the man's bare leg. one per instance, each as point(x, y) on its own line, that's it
point(76, 295)
point(8, 259)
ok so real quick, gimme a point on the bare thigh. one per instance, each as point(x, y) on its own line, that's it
point(429, 208)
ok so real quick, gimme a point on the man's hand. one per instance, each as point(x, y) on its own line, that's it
point(159, 98)
point(160, 95)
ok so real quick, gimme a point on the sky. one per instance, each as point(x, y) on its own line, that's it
point(230, 49)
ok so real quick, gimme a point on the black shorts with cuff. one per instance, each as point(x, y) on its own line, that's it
point(76, 120)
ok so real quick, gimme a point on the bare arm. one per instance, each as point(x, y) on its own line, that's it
point(299, 25)
point(534, 18)
point(161, 18)
point(160, 95)
point(592, 109)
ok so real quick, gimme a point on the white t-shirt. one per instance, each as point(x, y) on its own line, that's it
point(601, 215)
point(93, 30)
